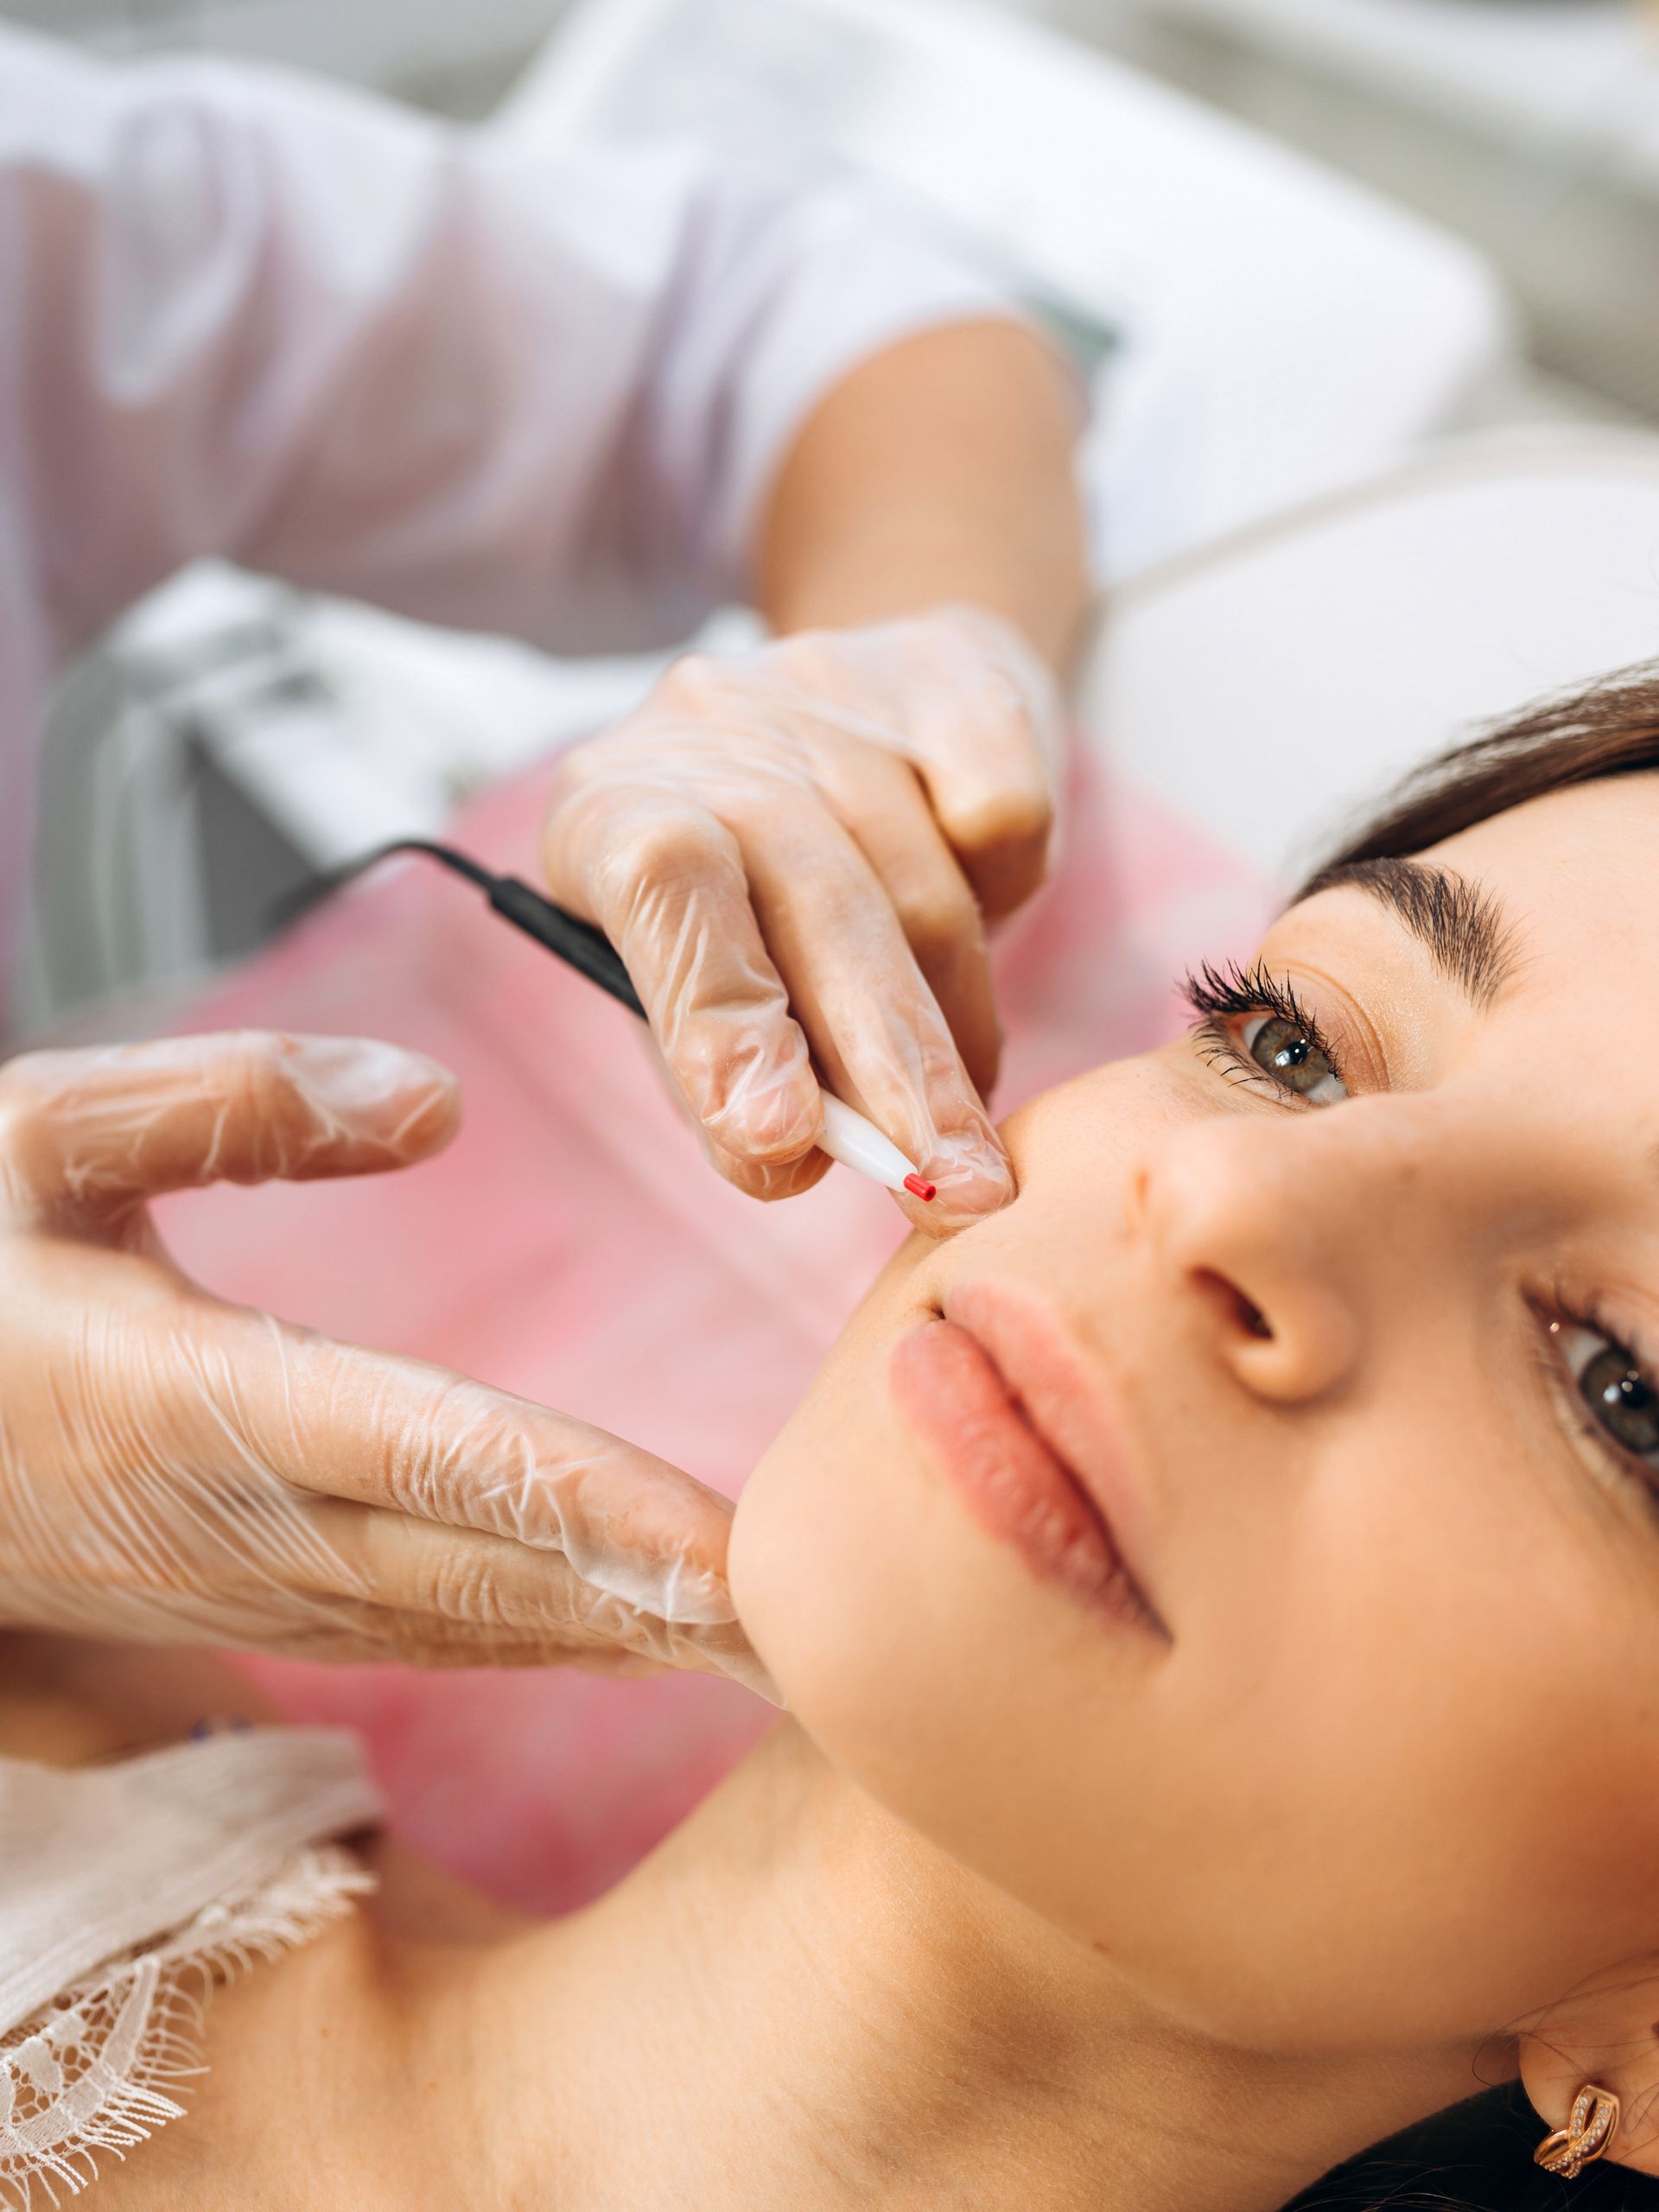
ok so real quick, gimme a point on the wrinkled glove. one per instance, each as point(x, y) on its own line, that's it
point(175, 1469)
point(795, 851)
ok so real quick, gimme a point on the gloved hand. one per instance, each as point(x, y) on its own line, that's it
point(175, 1469)
point(795, 851)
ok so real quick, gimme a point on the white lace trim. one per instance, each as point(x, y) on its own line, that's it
point(94, 2069)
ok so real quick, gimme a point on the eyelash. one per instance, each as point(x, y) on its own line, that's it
point(1220, 995)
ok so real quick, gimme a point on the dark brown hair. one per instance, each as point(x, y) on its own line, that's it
point(1608, 728)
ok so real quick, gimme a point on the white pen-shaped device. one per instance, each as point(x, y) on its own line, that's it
point(859, 1144)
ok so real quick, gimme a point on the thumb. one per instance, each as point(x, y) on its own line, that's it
point(95, 1132)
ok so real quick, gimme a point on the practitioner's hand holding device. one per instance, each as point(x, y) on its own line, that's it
point(795, 851)
point(173, 1468)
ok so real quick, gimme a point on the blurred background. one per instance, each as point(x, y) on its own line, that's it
point(1291, 243)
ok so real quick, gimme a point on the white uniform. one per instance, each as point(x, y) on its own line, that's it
point(245, 315)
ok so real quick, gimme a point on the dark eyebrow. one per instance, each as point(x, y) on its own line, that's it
point(1463, 926)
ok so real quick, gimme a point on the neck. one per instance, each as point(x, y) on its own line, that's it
point(797, 2001)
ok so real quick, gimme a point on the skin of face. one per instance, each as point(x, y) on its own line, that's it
point(1388, 1775)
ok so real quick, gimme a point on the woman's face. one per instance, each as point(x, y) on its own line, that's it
point(1244, 1548)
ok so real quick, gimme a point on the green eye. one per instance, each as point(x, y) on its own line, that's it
point(1619, 1398)
point(1251, 1022)
point(1622, 1399)
point(1288, 1052)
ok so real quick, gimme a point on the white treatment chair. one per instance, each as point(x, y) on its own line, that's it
point(1273, 681)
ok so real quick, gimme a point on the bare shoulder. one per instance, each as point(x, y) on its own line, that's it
point(317, 2092)
point(270, 2123)
point(336, 2076)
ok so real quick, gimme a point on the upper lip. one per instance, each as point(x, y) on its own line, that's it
point(1071, 1410)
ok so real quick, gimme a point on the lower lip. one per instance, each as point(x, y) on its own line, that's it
point(951, 1393)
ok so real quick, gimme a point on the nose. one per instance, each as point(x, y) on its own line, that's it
point(1249, 1236)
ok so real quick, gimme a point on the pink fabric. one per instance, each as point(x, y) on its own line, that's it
point(573, 1246)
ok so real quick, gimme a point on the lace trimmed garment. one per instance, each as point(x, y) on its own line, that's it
point(127, 1892)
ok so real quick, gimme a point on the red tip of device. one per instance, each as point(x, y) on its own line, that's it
point(918, 1188)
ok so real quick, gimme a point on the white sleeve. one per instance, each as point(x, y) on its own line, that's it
point(246, 314)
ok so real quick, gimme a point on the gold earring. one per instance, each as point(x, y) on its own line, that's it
point(1591, 2127)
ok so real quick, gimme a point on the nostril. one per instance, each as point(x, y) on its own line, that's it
point(1234, 1308)
point(1253, 1317)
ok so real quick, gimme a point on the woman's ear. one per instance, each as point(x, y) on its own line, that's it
point(1605, 2033)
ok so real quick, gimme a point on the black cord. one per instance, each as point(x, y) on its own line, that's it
point(568, 938)
point(315, 888)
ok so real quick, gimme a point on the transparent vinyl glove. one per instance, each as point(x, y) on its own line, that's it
point(175, 1469)
point(796, 851)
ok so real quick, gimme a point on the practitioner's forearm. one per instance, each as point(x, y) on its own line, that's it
point(940, 469)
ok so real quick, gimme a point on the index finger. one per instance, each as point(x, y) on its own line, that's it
point(392, 1432)
point(876, 1030)
point(664, 879)
point(441, 1595)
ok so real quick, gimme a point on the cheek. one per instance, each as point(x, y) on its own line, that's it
point(1418, 1741)
point(1082, 1141)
